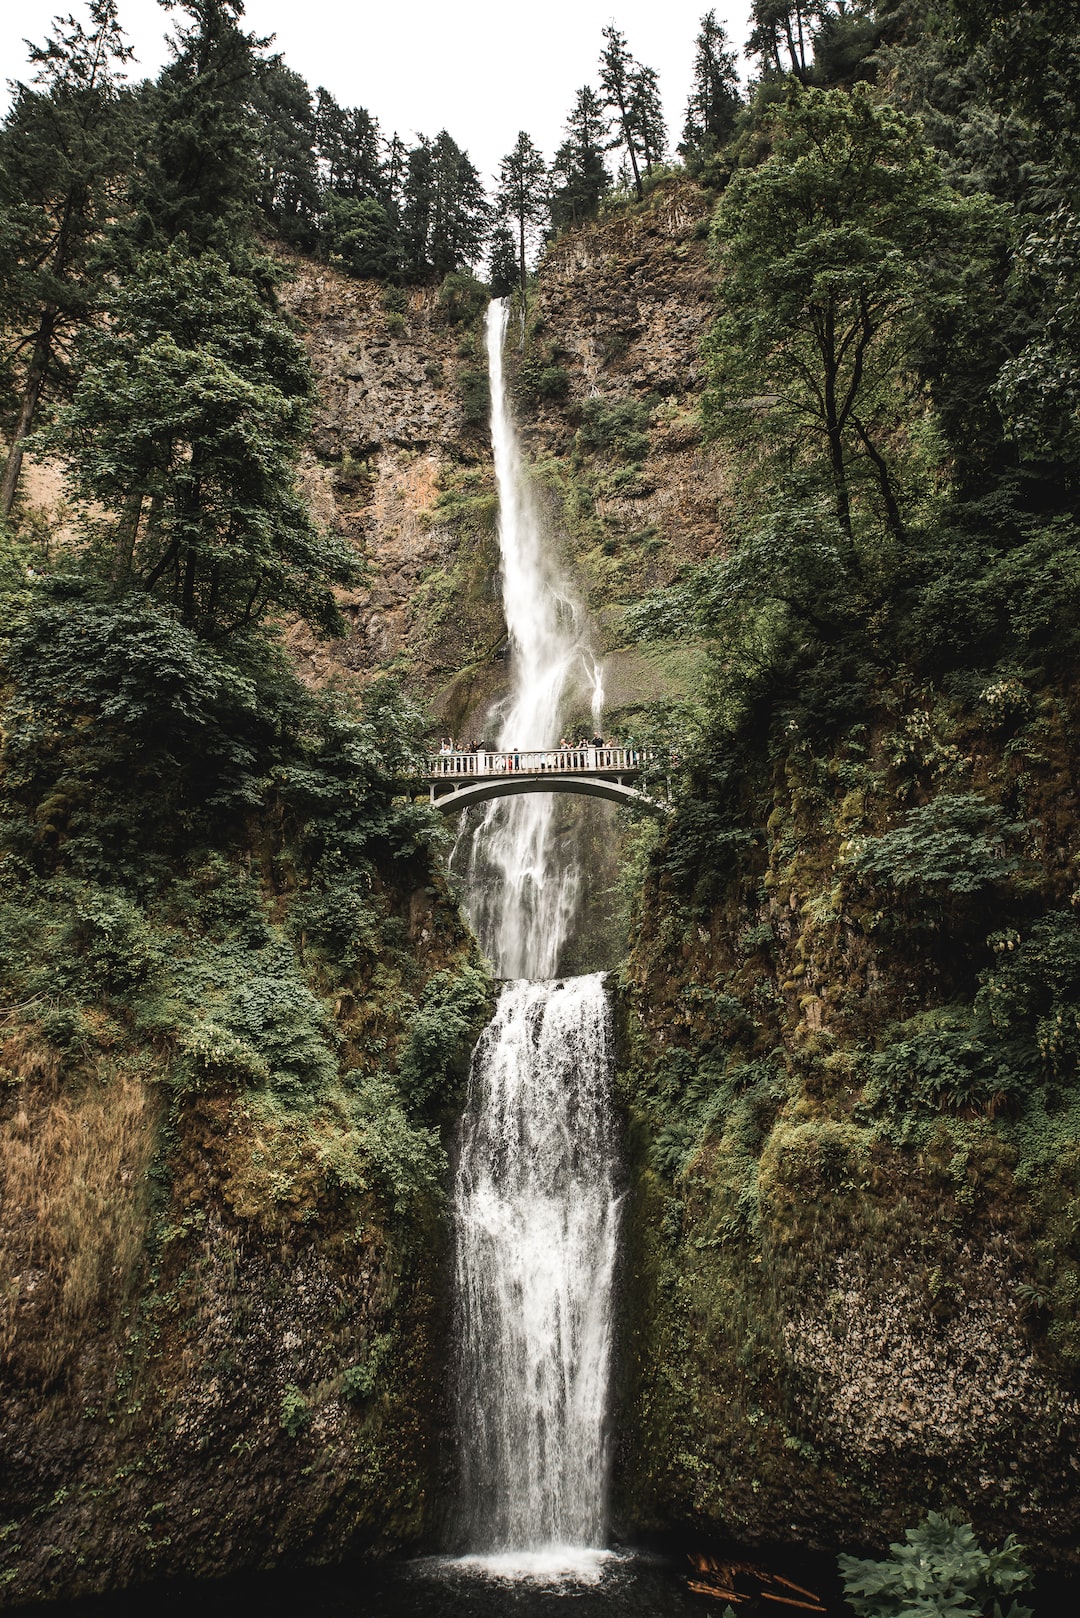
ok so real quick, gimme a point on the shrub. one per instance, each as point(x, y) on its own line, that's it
point(462, 298)
point(615, 427)
point(295, 1412)
point(953, 845)
point(939, 1568)
point(475, 391)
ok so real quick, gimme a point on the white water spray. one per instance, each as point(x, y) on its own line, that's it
point(535, 1200)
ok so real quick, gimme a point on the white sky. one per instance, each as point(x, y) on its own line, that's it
point(482, 69)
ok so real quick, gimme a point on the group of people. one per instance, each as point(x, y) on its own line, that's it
point(448, 745)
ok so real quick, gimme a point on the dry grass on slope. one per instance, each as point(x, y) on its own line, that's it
point(73, 1165)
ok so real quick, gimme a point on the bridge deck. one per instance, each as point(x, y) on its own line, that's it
point(620, 763)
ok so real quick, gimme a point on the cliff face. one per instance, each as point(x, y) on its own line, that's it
point(606, 377)
point(400, 464)
point(223, 1309)
point(853, 1246)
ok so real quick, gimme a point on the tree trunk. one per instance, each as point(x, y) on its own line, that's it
point(888, 495)
point(127, 531)
point(35, 381)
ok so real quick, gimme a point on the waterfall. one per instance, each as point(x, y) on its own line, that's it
point(522, 899)
point(537, 1211)
point(535, 1201)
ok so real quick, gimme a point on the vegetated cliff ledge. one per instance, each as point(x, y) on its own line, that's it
point(848, 1060)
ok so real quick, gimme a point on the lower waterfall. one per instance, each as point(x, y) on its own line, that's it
point(535, 1200)
point(537, 1214)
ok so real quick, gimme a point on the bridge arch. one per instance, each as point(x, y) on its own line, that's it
point(509, 786)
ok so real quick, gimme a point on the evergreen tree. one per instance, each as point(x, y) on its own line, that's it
point(199, 172)
point(61, 147)
point(502, 262)
point(395, 159)
point(579, 176)
point(647, 111)
point(289, 192)
point(185, 427)
point(617, 77)
point(417, 205)
point(459, 211)
point(714, 100)
point(521, 196)
point(782, 37)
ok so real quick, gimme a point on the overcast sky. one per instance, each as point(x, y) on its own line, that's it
point(482, 69)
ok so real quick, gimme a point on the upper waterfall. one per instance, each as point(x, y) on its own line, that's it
point(524, 905)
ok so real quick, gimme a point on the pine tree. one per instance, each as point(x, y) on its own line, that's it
point(714, 100)
point(579, 176)
point(617, 69)
point(61, 148)
point(647, 111)
point(783, 31)
point(198, 177)
point(522, 194)
point(502, 262)
point(289, 192)
point(460, 212)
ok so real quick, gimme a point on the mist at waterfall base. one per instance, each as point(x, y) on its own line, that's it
point(535, 1202)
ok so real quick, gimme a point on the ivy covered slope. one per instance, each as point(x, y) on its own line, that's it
point(238, 1002)
point(852, 1010)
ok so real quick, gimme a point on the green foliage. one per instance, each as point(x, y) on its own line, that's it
point(436, 1056)
point(475, 391)
point(462, 298)
point(1017, 1044)
point(954, 845)
point(196, 178)
point(616, 427)
point(63, 145)
point(360, 1381)
point(829, 254)
point(361, 237)
point(939, 1568)
point(295, 1414)
point(579, 177)
point(186, 425)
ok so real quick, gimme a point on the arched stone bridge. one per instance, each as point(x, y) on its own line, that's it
point(456, 780)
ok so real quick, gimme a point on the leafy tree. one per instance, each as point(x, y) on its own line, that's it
point(185, 426)
point(61, 148)
point(521, 196)
point(714, 100)
point(197, 175)
point(579, 176)
point(362, 237)
point(831, 253)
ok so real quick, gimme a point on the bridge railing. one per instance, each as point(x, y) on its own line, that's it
point(461, 766)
